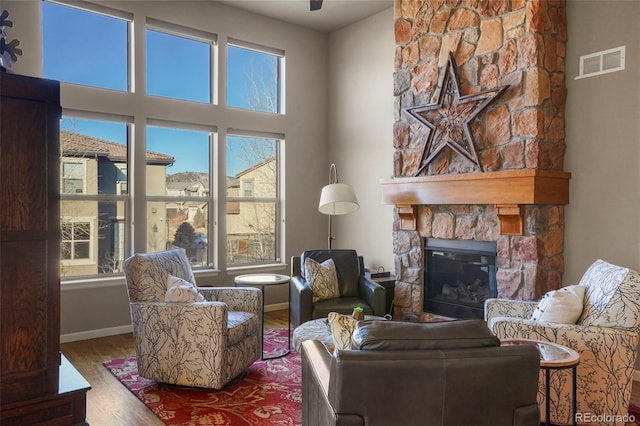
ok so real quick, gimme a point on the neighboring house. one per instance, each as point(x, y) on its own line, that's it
point(92, 225)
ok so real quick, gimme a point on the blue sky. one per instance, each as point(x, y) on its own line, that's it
point(91, 49)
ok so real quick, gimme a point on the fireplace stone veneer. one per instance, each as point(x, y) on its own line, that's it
point(519, 43)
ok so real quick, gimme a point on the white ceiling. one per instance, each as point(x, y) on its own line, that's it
point(333, 15)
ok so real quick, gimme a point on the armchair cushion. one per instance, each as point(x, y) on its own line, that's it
point(563, 305)
point(398, 335)
point(612, 296)
point(180, 290)
point(322, 279)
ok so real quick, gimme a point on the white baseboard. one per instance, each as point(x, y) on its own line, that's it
point(112, 331)
point(276, 307)
point(93, 334)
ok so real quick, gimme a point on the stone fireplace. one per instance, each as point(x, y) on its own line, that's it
point(515, 195)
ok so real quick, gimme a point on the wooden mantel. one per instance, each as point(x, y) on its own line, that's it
point(507, 190)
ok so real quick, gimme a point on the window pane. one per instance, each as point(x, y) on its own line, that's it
point(252, 80)
point(177, 162)
point(84, 47)
point(251, 165)
point(183, 225)
point(94, 156)
point(92, 237)
point(178, 67)
point(251, 233)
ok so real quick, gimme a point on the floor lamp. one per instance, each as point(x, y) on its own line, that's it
point(337, 199)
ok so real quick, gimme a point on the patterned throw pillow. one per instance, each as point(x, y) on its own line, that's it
point(342, 327)
point(179, 290)
point(612, 296)
point(322, 279)
point(563, 305)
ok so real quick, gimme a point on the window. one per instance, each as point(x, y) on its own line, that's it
point(179, 191)
point(93, 162)
point(253, 217)
point(76, 240)
point(254, 77)
point(189, 80)
point(100, 60)
point(73, 174)
point(151, 156)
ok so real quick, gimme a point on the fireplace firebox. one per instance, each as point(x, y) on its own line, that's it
point(459, 276)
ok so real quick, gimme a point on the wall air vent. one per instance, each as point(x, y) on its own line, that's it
point(602, 62)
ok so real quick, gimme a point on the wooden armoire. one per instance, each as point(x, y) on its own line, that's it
point(37, 385)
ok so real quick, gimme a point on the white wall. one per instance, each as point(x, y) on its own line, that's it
point(603, 140)
point(360, 114)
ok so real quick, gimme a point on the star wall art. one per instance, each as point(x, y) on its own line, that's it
point(448, 119)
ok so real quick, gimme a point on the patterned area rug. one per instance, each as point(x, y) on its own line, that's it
point(268, 393)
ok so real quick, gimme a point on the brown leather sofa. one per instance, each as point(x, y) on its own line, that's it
point(438, 374)
point(355, 288)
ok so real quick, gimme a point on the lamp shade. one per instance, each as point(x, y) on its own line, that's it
point(337, 199)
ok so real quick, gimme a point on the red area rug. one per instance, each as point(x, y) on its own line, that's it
point(268, 393)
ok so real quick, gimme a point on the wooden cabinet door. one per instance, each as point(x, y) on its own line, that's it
point(29, 237)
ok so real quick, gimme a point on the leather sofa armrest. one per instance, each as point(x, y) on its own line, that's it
point(316, 373)
point(374, 294)
point(301, 300)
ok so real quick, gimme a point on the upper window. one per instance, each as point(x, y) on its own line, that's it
point(83, 47)
point(254, 78)
point(187, 79)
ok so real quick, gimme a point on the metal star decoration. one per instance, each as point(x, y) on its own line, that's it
point(448, 119)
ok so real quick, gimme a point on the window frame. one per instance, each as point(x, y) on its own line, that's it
point(189, 34)
point(210, 199)
point(277, 200)
point(280, 73)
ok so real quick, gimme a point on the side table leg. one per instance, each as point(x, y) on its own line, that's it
point(575, 399)
point(547, 407)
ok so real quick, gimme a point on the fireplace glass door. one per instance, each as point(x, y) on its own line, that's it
point(459, 276)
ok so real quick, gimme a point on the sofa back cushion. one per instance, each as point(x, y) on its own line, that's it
point(612, 298)
point(347, 268)
point(399, 335)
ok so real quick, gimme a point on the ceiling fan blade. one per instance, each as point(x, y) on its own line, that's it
point(315, 4)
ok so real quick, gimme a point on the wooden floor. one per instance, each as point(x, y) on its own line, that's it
point(109, 403)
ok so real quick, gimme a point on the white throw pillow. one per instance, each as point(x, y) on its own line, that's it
point(322, 278)
point(179, 290)
point(563, 305)
point(342, 327)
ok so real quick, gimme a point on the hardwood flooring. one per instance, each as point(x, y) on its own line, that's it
point(109, 403)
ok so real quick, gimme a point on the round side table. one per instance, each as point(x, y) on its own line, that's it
point(262, 281)
point(553, 356)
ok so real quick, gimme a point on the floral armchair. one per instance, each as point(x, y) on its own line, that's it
point(202, 343)
point(605, 336)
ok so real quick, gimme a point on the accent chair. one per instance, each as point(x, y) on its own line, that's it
point(204, 338)
point(605, 335)
point(353, 288)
